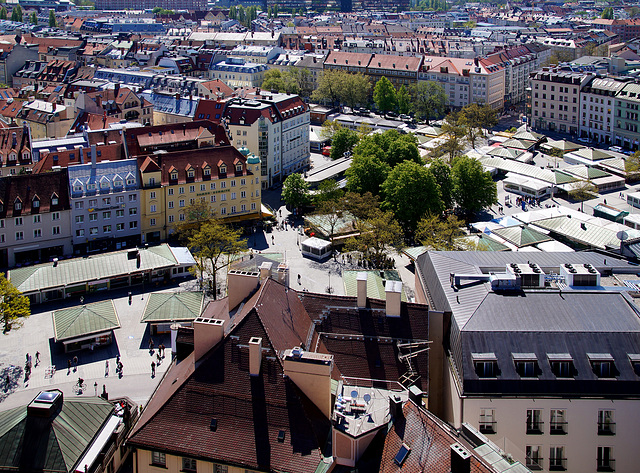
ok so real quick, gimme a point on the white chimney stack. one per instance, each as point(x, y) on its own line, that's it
point(393, 291)
point(255, 355)
point(362, 289)
point(207, 333)
point(265, 270)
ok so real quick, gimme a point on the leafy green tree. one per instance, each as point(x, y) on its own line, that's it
point(379, 234)
point(454, 132)
point(355, 90)
point(13, 305)
point(52, 19)
point(583, 190)
point(3, 13)
point(16, 13)
point(429, 100)
point(273, 81)
point(329, 88)
point(632, 166)
point(367, 173)
point(473, 188)
point(441, 171)
point(410, 191)
point(477, 118)
point(404, 100)
point(328, 191)
point(329, 128)
point(361, 206)
point(295, 191)
point(343, 140)
point(607, 13)
point(440, 233)
point(33, 18)
point(384, 95)
point(403, 150)
point(298, 81)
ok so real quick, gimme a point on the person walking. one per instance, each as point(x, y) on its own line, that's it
point(151, 345)
point(75, 364)
point(153, 369)
point(37, 358)
point(69, 366)
point(106, 368)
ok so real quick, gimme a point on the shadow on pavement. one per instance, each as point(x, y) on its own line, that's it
point(60, 359)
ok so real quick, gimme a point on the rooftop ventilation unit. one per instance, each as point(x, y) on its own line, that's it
point(580, 274)
point(529, 274)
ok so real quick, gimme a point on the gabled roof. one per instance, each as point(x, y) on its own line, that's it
point(172, 306)
point(85, 320)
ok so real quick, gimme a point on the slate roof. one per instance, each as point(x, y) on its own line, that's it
point(172, 306)
point(41, 277)
point(85, 320)
point(61, 440)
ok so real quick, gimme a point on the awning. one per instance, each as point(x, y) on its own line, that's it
point(98, 445)
point(265, 211)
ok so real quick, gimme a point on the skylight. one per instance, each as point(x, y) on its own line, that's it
point(402, 454)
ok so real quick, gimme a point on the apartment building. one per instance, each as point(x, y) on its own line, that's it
point(35, 218)
point(236, 72)
point(15, 150)
point(275, 127)
point(597, 102)
point(550, 369)
point(105, 204)
point(627, 113)
point(120, 103)
point(45, 119)
point(400, 70)
point(555, 99)
point(221, 176)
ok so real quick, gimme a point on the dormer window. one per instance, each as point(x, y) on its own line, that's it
point(91, 187)
point(561, 365)
point(17, 205)
point(77, 188)
point(13, 156)
point(131, 180)
point(526, 364)
point(174, 176)
point(602, 365)
point(35, 203)
point(485, 364)
point(223, 169)
point(117, 182)
point(54, 199)
point(190, 173)
point(25, 156)
point(104, 184)
point(207, 171)
point(239, 167)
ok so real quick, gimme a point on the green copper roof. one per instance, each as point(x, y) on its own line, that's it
point(170, 306)
point(375, 287)
point(521, 236)
point(53, 444)
point(84, 320)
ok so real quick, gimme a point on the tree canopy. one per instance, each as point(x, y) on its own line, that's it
point(384, 95)
point(343, 140)
point(473, 188)
point(441, 171)
point(429, 100)
point(404, 100)
point(366, 174)
point(52, 18)
point(378, 234)
point(295, 191)
point(476, 118)
point(339, 87)
point(440, 234)
point(13, 305)
point(16, 13)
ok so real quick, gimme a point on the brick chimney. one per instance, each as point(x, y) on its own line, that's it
point(362, 289)
point(207, 333)
point(393, 292)
point(255, 355)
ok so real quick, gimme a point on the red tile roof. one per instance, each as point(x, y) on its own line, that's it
point(24, 188)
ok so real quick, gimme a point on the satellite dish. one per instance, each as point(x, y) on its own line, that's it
point(367, 398)
point(622, 235)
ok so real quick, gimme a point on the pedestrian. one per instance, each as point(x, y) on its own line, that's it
point(95, 388)
point(81, 300)
point(120, 369)
point(117, 359)
point(75, 363)
point(161, 347)
point(273, 240)
point(106, 368)
point(150, 344)
point(153, 369)
point(37, 358)
point(158, 357)
point(27, 358)
point(605, 201)
point(69, 366)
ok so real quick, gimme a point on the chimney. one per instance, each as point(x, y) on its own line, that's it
point(362, 289)
point(395, 406)
point(14, 139)
point(240, 285)
point(94, 155)
point(255, 355)
point(81, 155)
point(265, 270)
point(460, 459)
point(207, 333)
point(311, 372)
point(393, 291)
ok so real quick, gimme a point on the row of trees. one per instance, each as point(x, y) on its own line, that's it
point(244, 16)
point(16, 14)
point(293, 80)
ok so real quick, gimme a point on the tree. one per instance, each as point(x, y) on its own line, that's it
point(355, 90)
point(384, 95)
point(410, 191)
point(361, 206)
point(329, 87)
point(632, 166)
point(3, 13)
point(331, 212)
point(273, 80)
point(440, 234)
point(378, 234)
point(583, 190)
point(52, 19)
point(343, 140)
point(607, 13)
point(477, 118)
point(328, 191)
point(196, 214)
point(330, 128)
point(33, 18)
point(560, 56)
point(441, 172)
point(403, 150)
point(299, 81)
point(429, 100)
point(295, 191)
point(404, 100)
point(16, 14)
point(366, 174)
point(213, 245)
point(14, 306)
point(473, 188)
point(454, 133)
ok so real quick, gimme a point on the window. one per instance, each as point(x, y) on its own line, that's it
point(561, 364)
point(181, 190)
point(217, 468)
point(19, 236)
point(79, 218)
point(35, 203)
point(557, 461)
point(243, 208)
point(106, 201)
point(223, 211)
point(203, 187)
point(181, 203)
point(605, 459)
point(152, 195)
point(120, 199)
point(233, 196)
point(106, 215)
point(223, 185)
point(119, 227)
point(152, 222)
point(188, 464)
point(233, 182)
point(174, 176)
point(93, 203)
point(534, 457)
point(152, 181)
point(213, 186)
point(171, 218)
point(207, 171)
point(93, 231)
point(602, 365)
point(170, 191)
point(558, 422)
point(243, 194)
point(190, 173)
point(487, 424)
point(18, 221)
point(36, 219)
point(170, 204)
point(93, 217)
point(606, 425)
point(634, 358)
point(158, 459)
point(534, 421)
point(106, 229)
point(37, 233)
point(152, 208)
point(55, 230)
point(526, 364)
point(485, 364)
point(181, 217)
point(133, 211)
point(133, 197)
point(253, 205)
point(119, 213)
point(233, 209)
point(133, 224)
point(192, 188)
point(80, 233)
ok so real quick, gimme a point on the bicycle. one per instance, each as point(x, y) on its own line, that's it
point(80, 386)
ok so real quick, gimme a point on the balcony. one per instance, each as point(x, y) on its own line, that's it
point(605, 464)
point(557, 464)
point(606, 428)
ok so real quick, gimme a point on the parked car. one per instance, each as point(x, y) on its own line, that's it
point(404, 117)
point(326, 151)
point(617, 149)
point(584, 140)
point(392, 114)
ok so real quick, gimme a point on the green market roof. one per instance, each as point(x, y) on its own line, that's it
point(173, 306)
point(375, 287)
point(51, 444)
point(521, 236)
point(84, 320)
point(528, 170)
point(75, 271)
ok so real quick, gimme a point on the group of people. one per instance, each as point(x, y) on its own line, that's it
point(28, 364)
